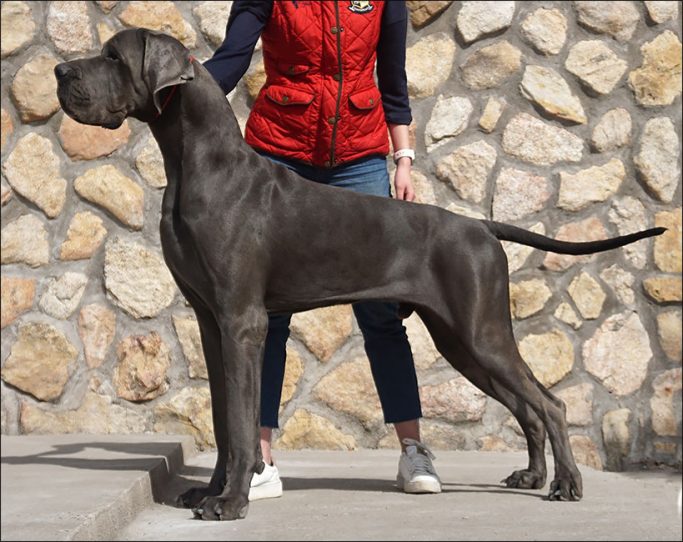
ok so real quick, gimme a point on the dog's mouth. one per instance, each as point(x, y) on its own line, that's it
point(77, 103)
point(113, 124)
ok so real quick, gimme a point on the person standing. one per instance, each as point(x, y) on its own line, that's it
point(321, 114)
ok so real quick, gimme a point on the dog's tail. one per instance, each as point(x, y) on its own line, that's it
point(506, 232)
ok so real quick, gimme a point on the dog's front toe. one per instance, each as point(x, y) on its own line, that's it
point(525, 479)
point(565, 490)
point(192, 497)
point(215, 509)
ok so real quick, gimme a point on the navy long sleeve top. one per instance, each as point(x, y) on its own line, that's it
point(248, 18)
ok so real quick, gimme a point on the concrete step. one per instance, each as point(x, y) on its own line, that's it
point(83, 487)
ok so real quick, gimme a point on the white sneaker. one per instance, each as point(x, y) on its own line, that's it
point(266, 485)
point(416, 473)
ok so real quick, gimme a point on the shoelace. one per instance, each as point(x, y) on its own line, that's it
point(421, 459)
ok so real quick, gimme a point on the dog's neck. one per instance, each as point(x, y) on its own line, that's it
point(196, 105)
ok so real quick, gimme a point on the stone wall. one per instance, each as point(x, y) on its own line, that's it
point(560, 117)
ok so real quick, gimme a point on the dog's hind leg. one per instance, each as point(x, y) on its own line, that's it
point(502, 373)
point(477, 320)
point(566, 484)
point(495, 351)
point(534, 476)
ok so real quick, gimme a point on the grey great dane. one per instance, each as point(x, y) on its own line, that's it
point(245, 237)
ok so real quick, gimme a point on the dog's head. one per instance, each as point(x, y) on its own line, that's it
point(127, 79)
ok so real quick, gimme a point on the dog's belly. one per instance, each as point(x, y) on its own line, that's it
point(351, 261)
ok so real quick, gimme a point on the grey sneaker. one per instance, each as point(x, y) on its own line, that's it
point(416, 473)
point(266, 485)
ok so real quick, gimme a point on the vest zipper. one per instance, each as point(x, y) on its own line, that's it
point(339, 92)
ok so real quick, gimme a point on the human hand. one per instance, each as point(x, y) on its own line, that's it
point(403, 184)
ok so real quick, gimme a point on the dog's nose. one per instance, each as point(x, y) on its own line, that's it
point(64, 70)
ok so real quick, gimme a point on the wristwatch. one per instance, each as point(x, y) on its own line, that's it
point(410, 153)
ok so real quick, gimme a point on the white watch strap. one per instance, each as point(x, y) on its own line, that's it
point(410, 153)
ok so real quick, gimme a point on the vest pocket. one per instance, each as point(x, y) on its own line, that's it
point(288, 96)
point(292, 69)
point(365, 99)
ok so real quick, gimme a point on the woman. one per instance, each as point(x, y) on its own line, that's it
point(319, 114)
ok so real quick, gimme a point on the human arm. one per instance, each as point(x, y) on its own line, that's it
point(392, 82)
point(231, 60)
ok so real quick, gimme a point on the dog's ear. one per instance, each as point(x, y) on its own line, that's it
point(166, 63)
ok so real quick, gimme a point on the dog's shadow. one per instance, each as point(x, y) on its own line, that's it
point(190, 475)
point(169, 481)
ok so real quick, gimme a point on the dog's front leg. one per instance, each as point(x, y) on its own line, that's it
point(242, 342)
point(211, 344)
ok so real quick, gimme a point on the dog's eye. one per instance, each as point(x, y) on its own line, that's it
point(111, 55)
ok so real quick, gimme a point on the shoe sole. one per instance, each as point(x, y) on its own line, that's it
point(418, 486)
point(269, 490)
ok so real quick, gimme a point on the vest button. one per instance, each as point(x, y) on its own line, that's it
point(332, 120)
point(327, 163)
point(285, 99)
point(336, 30)
point(337, 76)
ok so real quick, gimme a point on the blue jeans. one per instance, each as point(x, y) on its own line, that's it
point(386, 342)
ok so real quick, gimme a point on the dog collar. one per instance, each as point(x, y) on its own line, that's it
point(170, 94)
point(167, 100)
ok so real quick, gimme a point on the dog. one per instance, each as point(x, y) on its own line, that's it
point(244, 237)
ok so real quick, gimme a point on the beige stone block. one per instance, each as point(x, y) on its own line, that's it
point(40, 362)
point(616, 436)
point(664, 289)
point(107, 187)
point(143, 362)
point(528, 297)
point(618, 354)
point(162, 16)
point(350, 389)
point(658, 81)
point(96, 327)
point(323, 330)
point(491, 66)
point(307, 430)
point(454, 401)
point(550, 356)
point(585, 451)
point(18, 294)
point(84, 236)
point(84, 142)
point(667, 249)
point(424, 12)
point(666, 417)
point(670, 334)
point(588, 295)
point(188, 412)
point(579, 402)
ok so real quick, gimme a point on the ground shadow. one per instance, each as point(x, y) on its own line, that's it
point(172, 477)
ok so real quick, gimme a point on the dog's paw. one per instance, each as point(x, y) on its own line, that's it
point(525, 479)
point(192, 497)
point(215, 509)
point(565, 490)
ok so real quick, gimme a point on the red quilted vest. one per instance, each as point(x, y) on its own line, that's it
point(320, 104)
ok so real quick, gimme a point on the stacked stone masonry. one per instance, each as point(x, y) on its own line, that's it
point(560, 117)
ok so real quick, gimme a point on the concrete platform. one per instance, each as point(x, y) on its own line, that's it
point(82, 487)
point(95, 487)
